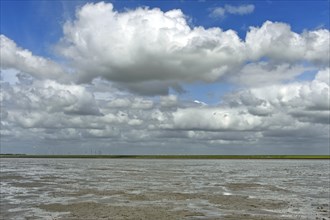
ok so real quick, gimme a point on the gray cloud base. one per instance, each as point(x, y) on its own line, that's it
point(286, 114)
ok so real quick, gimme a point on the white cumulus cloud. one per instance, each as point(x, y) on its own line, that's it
point(278, 42)
point(14, 57)
point(148, 51)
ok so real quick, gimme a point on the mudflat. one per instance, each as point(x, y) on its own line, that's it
point(236, 206)
point(164, 189)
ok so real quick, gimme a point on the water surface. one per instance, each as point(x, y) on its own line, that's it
point(166, 189)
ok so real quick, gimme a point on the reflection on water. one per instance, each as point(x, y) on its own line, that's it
point(215, 189)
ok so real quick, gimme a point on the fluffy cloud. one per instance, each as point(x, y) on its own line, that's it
point(13, 57)
point(50, 96)
point(306, 101)
point(229, 9)
point(276, 41)
point(135, 103)
point(265, 73)
point(217, 119)
point(148, 51)
point(48, 110)
point(262, 108)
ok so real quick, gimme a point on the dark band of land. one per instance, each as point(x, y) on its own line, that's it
point(169, 156)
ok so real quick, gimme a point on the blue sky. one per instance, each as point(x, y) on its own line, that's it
point(198, 76)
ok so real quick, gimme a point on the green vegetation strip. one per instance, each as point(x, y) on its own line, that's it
point(170, 156)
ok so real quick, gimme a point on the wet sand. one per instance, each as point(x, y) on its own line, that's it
point(235, 207)
point(173, 189)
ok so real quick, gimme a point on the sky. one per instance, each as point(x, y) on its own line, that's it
point(165, 77)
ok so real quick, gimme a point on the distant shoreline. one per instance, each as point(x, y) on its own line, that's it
point(168, 156)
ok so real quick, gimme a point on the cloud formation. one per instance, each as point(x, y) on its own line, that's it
point(229, 9)
point(281, 113)
point(124, 64)
point(148, 51)
point(146, 48)
point(23, 60)
point(278, 42)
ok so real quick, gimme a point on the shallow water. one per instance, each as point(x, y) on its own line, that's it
point(179, 189)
